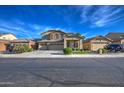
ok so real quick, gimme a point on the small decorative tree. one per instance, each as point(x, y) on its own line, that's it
point(78, 34)
point(22, 48)
point(67, 51)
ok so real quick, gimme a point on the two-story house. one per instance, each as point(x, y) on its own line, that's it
point(58, 40)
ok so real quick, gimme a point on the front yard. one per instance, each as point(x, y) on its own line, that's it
point(71, 51)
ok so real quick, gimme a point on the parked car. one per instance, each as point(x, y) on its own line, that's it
point(115, 47)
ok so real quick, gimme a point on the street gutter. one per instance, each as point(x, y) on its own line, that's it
point(62, 56)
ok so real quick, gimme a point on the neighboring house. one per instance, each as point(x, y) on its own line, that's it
point(4, 40)
point(93, 44)
point(3, 45)
point(116, 37)
point(7, 36)
point(30, 43)
point(58, 40)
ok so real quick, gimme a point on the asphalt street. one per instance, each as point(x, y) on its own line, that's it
point(62, 72)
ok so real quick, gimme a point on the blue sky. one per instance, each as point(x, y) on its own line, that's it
point(30, 21)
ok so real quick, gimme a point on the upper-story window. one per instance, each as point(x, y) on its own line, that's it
point(51, 36)
point(56, 36)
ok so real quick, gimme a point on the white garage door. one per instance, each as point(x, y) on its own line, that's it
point(56, 47)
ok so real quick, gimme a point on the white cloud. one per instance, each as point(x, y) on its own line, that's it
point(84, 12)
point(101, 16)
point(26, 30)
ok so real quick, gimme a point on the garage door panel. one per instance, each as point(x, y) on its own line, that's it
point(43, 47)
point(55, 47)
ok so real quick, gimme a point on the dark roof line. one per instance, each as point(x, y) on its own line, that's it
point(53, 31)
point(115, 35)
point(96, 37)
point(1, 34)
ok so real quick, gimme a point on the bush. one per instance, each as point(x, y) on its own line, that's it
point(86, 48)
point(67, 51)
point(81, 52)
point(22, 48)
point(78, 49)
point(102, 49)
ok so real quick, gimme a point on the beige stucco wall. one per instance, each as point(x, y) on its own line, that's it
point(8, 37)
point(2, 46)
point(32, 44)
point(52, 35)
point(119, 41)
point(122, 41)
point(101, 44)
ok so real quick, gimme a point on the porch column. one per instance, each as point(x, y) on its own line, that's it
point(81, 44)
point(65, 44)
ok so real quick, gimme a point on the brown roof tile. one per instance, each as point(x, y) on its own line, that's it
point(115, 35)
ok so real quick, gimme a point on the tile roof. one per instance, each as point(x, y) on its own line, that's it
point(53, 31)
point(21, 40)
point(89, 39)
point(115, 36)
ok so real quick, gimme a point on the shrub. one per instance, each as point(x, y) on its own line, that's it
point(81, 52)
point(78, 49)
point(67, 51)
point(102, 49)
point(22, 48)
point(86, 48)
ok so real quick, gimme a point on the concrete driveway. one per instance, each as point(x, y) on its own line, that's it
point(36, 53)
point(62, 72)
point(44, 52)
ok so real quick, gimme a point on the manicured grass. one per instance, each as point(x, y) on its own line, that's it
point(81, 52)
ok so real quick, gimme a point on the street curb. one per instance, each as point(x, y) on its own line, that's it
point(61, 56)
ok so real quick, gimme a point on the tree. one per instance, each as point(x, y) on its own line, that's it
point(79, 35)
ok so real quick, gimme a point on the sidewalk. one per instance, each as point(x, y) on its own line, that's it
point(57, 54)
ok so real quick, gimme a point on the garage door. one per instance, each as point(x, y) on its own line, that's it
point(51, 46)
point(42, 47)
point(97, 45)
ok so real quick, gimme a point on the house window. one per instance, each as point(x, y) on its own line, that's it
point(75, 45)
point(56, 36)
point(51, 36)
